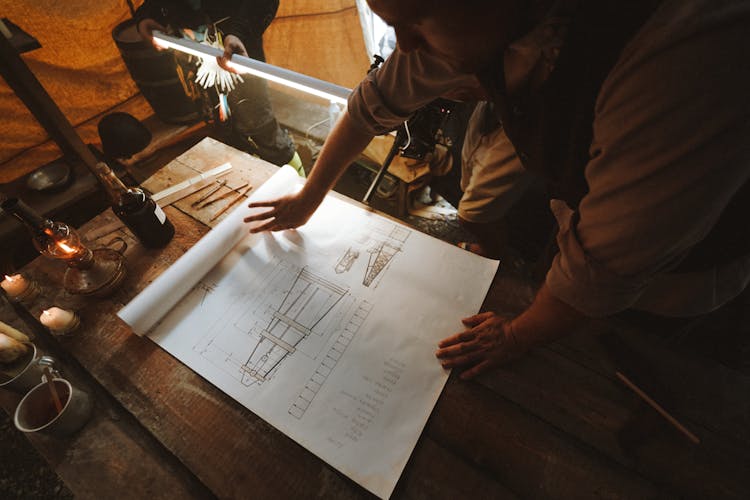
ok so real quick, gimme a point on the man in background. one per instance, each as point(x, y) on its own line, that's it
point(240, 24)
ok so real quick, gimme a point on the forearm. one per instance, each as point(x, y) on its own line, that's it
point(547, 319)
point(345, 142)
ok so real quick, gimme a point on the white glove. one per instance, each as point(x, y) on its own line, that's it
point(210, 74)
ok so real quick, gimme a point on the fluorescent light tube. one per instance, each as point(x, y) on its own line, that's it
point(326, 90)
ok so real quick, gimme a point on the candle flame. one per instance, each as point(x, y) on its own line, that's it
point(65, 248)
point(46, 311)
point(9, 278)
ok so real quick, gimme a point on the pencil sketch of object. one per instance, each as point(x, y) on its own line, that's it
point(206, 288)
point(346, 261)
point(309, 300)
point(382, 251)
point(326, 366)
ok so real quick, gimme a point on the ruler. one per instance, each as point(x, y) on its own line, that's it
point(190, 186)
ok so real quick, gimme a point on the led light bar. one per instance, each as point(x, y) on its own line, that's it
point(241, 64)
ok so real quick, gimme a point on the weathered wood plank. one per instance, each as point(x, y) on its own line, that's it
point(525, 453)
point(434, 472)
point(545, 427)
point(226, 446)
point(175, 404)
point(600, 411)
point(112, 452)
point(572, 385)
point(202, 157)
point(700, 389)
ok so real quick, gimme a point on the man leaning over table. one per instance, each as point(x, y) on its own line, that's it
point(637, 114)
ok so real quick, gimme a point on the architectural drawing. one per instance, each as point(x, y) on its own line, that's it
point(306, 303)
point(380, 256)
point(386, 242)
point(326, 366)
point(207, 288)
point(345, 263)
point(382, 241)
point(298, 313)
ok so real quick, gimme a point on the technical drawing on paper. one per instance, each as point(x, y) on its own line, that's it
point(345, 263)
point(382, 242)
point(206, 288)
point(306, 303)
point(313, 385)
point(383, 250)
point(294, 310)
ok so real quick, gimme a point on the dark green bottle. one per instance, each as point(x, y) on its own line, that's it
point(137, 210)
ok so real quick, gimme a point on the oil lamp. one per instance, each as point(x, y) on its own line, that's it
point(94, 272)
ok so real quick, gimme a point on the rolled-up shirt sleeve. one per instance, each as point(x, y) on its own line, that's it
point(670, 149)
point(405, 82)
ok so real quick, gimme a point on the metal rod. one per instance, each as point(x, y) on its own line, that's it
point(383, 169)
point(209, 193)
point(235, 200)
point(222, 196)
point(656, 406)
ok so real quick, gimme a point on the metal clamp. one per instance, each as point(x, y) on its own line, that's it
point(49, 362)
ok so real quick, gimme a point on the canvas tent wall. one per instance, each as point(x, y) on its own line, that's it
point(80, 66)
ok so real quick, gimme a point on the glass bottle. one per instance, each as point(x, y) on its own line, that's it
point(137, 210)
point(53, 239)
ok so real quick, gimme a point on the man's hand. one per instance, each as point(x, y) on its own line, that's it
point(487, 342)
point(147, 27)
point(287, 212)
point(232, 45)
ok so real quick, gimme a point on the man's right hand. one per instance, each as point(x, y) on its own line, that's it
point(147, 27)
point(287, 212)
point(342, 146)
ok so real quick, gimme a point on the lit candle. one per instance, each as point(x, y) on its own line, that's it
point(11, 349)
point(14, 285)
point(59, 320)
point(20, 289)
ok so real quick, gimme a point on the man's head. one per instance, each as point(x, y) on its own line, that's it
point(466, 33)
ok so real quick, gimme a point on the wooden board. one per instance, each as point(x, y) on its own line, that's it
point(546, 426)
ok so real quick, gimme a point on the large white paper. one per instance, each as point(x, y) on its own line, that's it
point(327, 332)
point(150, 306)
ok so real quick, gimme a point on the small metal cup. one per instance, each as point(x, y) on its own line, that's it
point(37, 412)
point(28, 377)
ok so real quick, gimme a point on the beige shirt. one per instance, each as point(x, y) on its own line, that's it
point(492, 177)
point(671, 146)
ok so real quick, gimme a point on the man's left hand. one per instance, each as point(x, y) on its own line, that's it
point(232, 45)
point(487, 342)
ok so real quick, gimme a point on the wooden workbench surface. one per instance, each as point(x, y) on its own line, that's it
point(555, 424)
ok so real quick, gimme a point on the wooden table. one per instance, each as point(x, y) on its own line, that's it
point(549, 425)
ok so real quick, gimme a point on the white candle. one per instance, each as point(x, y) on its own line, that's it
point(59, 320)
point(14, 285)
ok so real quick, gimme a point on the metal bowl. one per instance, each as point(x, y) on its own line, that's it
point(49, 177)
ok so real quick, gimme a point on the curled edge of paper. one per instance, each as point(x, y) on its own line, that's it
point(157, 299)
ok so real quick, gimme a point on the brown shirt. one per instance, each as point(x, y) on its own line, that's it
point(672, 122)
